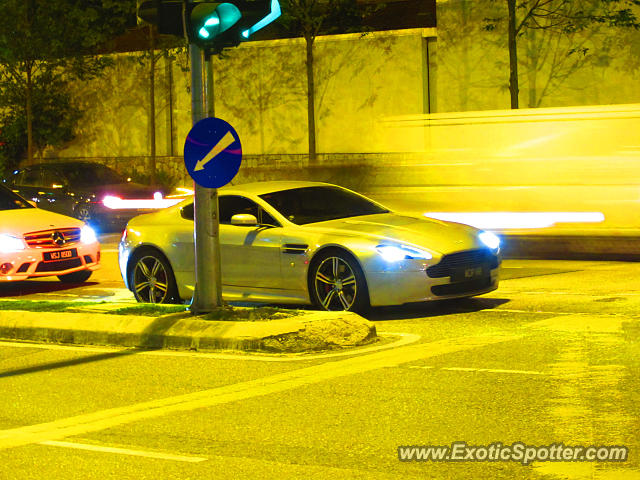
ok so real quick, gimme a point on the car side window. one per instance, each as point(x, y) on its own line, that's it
point(51, 178)
point(231, 205)
point(29, 178)
point(186, 212)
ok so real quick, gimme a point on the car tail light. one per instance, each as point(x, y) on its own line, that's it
point(117, 203)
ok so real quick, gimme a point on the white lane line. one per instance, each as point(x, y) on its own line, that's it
point(405, 339)
point(492, 370)
point(489, 370)
point(281, 382)
point(123, 451)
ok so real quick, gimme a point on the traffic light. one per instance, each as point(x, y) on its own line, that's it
point(214, 26)
point(210, 25)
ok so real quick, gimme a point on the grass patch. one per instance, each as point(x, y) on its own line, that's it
point(148, 309)
point(227, 312)
point(41, 305)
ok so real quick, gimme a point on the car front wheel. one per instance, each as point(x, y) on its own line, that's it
point(151, 278)
point(337, 283)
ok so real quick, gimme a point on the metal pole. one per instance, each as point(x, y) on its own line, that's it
point(207, 294)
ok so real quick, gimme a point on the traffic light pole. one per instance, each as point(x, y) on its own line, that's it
point(207, 295)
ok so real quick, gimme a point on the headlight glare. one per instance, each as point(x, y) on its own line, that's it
point(88, 235)
point(9, 243)
point(395, 253)
point(490, 239)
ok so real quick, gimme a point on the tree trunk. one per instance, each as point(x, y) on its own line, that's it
point(29, 99)
point(152, 104)
point(513, 55)
point(311, 111)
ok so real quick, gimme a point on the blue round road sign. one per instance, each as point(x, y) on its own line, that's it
point(212, 153)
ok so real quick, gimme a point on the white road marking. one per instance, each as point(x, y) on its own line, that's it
point(405, 339)
point(492, 370)
point(113, 417)
point(489, 370)
point(223, 143)
point(124, 451)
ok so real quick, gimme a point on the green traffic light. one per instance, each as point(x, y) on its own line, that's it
point(209, 22)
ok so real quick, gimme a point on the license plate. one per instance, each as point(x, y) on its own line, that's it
point(469, 273)
point(60, 255)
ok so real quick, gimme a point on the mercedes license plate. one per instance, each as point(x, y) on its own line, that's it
point(60, 255)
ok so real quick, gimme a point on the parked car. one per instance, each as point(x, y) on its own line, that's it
point(91, 192)
point(310, 243)
point(37, 243)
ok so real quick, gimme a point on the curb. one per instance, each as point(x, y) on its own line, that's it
point(308, 332)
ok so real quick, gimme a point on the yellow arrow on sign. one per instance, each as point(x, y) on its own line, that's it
point(219, 147)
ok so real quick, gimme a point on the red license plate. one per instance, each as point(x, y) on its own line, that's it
point(60, 255)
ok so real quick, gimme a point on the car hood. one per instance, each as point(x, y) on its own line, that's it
point(425, 232)
point(24, 220)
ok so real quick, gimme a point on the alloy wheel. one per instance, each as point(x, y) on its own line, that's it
point(151, 280)
point(335, 284)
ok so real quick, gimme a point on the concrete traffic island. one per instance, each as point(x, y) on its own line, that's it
point(288, 331)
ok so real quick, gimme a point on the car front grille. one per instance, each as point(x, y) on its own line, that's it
point(465, 259)
point(461, 287)
point(45, 238)
point(59, 265)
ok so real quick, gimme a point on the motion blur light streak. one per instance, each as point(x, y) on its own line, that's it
point(117, 203)
point(516, 220)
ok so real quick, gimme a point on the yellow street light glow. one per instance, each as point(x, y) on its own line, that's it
point(183, 192)
point(516, 220)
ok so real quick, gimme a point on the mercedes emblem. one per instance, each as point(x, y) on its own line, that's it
point(58, 238)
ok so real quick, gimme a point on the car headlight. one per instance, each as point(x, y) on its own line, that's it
point(490, 239)
point(395, 253)
point(88, 235)
point(9, 243)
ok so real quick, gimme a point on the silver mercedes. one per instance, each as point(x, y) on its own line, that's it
point(310, 243)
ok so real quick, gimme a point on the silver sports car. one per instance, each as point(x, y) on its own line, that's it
point(310, 243)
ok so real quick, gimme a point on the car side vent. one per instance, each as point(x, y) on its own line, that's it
point(295, 248)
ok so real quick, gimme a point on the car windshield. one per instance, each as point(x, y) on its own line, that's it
point(91, 174)
point(321, 203)
point(11, 201)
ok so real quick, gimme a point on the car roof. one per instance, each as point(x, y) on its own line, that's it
point(260, 188)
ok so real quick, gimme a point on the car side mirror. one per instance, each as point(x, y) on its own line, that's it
point(244, 219)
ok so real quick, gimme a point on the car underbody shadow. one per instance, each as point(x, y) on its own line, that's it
point(30, 287)
point(434, 308)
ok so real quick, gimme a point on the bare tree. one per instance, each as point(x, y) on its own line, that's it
point(310, 18)
point(523, 16)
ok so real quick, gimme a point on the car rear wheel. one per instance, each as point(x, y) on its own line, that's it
point(84, 213)
point(337, 283)
point(151, 278)
point(75, 277)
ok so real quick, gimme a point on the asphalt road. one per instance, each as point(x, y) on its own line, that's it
point(551, 357)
